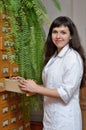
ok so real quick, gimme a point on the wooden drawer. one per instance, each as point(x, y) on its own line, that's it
point(20, 117)
point(83, 120)
point(14, 69)
point(27, 125)
point(20, 104)
point(83, 109)
point(83, 105)
point(3, 17)
point(20, 126)
point(13, 106)
point(83, 93)
point(2, 44)
point(5, 25)
point(6, 42)
point(13, 127)
point(13, 118)
point(4, 69)
point(3, 57)
point(4, 110)
point(14, 97)
point(17, 126)
point(4, 123)
point(36, 125)
point(4, 97)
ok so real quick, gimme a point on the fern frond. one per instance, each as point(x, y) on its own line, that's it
point(57, 4)
point(27, 18)
point(39, 10)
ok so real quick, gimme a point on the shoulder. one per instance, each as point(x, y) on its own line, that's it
point(73, 58)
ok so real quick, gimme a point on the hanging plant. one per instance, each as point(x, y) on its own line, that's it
point(27, 18)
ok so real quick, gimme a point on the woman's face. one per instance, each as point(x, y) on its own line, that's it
point(60, 36)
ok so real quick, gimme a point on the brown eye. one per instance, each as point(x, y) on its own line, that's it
point(54, 32)
point(63, 32)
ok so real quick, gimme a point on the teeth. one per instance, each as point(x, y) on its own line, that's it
point(59, 40)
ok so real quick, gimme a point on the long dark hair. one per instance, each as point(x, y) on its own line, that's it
point(74, 43)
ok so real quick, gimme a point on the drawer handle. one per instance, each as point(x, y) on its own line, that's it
point(5, 110)
point(5, 123)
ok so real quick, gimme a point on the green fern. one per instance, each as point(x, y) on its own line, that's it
point(27, 18)
point(57, 4)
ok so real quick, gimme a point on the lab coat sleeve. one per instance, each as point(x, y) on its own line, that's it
point(71, 81)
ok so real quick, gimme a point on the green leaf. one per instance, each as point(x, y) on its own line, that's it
point(57, 4)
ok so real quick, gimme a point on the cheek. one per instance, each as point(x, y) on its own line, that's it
point(53, 37)
point(67, 39)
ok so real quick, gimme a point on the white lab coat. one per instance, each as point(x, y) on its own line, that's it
point(63, 72)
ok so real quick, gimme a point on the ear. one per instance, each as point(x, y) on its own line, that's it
point(70, 37)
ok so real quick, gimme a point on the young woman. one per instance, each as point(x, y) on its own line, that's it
point(62, 77)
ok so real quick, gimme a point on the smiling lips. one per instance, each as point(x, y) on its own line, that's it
point(58, 41)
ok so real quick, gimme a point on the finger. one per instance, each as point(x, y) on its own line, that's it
point(21, 82)
point(16, 78)
point(22, 86)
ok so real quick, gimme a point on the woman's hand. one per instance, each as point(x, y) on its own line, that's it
point(28, 85)
point(17, 78)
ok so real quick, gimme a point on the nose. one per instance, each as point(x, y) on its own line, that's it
point(58, 35)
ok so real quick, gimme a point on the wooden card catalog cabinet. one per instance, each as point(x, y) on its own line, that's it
point(83, 106)
point(4, 43)
point(14, 69)
point(4, 97)
point(13, 107)
point(11, 116)
point(4, 70)
point(10, 102)
point(3, 57)
point(27, 125)
point(5, 110)
point(4, 123)
point(83, 93)
point(7, 69)
point(83, 109)
point(3, 16)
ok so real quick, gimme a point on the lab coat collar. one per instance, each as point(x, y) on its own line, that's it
point(63, 51)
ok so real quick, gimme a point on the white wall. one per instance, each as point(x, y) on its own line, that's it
point(75, 9)
point(79, 16)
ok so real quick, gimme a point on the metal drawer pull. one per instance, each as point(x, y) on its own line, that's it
point(5, 123)
point(5, 110)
